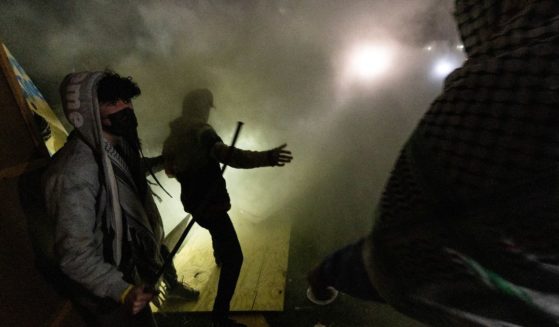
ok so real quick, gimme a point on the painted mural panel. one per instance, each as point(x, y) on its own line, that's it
point(54, 133)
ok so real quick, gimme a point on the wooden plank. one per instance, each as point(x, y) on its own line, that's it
point(261, 282)
point(273, 273)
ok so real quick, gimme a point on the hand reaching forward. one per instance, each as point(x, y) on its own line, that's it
point(278, 156)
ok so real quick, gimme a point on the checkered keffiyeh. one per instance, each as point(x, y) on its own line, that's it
point(498, 118)
point(468, 225)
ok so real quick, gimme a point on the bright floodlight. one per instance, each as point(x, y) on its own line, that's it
point(370, 61)
point(443, 67)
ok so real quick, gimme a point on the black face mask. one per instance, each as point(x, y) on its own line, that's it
point(123, 122)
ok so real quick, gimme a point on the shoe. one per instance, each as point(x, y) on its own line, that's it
point(227, 323)
point(181, 291)
point(319, 292)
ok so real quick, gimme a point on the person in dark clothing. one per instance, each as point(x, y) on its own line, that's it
point(465, 233)
point(193, 153)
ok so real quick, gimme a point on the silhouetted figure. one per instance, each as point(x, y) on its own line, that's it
point(466, 233)
point(192, 155)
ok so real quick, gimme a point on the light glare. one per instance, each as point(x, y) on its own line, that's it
point(443, 67)
point(370, 61)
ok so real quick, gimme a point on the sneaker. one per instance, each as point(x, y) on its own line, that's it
point(319, 292)
point(181, 291)
point(227, 323)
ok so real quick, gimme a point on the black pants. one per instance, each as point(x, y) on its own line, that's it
point(228, 249)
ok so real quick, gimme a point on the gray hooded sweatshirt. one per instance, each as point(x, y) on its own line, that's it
point(94, 208)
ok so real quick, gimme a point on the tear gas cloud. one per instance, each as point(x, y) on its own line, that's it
point(291, 70)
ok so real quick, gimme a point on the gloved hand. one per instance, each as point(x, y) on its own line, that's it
point(278, 156)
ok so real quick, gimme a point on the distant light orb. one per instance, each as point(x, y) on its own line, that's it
point(368, 62)
point(460, 47)
point(443, 67)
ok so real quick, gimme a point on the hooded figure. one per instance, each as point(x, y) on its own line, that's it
point(466, 233)
point(187, 157)
point(193, 152)
point(108, 231)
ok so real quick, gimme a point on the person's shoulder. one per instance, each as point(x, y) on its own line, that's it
point(177, 123)
point(208, 136)
point(75, 157)
point(74, 149)
point(206, 129)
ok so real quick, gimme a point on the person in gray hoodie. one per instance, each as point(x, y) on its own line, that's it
point(108, 231)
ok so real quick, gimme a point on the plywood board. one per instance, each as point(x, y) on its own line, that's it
point(30, 100)
point(21, 104)
point(19, 144)
point(261, 284)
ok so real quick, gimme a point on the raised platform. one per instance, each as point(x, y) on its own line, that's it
point(261, 284)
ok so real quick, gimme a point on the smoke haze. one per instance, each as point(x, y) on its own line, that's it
point(278, 66)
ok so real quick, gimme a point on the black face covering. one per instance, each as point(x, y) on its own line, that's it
point(125, 124)
point(122, 122)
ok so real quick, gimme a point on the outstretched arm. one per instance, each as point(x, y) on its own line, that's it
point(238, 158)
